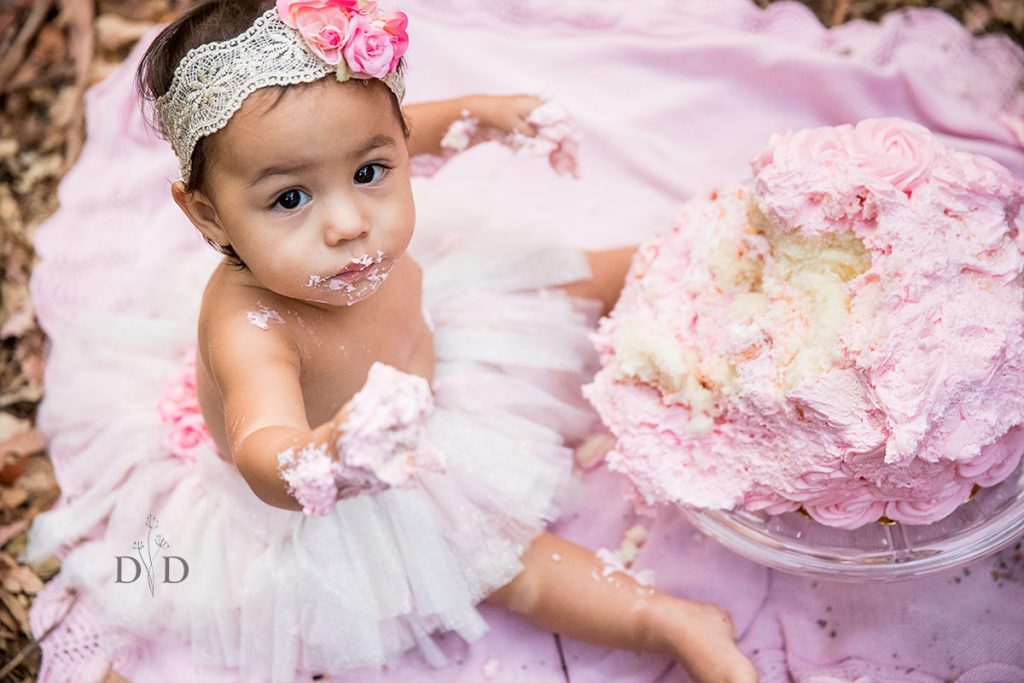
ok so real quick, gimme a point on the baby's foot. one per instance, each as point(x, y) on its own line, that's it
point(702, 637)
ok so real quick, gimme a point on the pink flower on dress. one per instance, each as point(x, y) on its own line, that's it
point(369, 49)
point(894, 152)
point(178, 406)
point(324, 24)
point(186, 435)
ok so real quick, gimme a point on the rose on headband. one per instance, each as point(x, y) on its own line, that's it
point(323, 24)
point(369, 49)
point(351, 34)
point(395, 24)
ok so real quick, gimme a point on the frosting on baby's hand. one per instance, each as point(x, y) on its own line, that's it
point(555, 139)
point(384, 440)
point(310, 475)
point(383, 443)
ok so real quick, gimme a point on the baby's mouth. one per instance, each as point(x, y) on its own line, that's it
point(351, 274)
point(360, 277)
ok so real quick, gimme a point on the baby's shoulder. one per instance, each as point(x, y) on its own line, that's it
point(237, 316)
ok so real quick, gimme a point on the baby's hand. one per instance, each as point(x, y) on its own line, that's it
point(504, 113)
point(520, 122)
point(383, 441)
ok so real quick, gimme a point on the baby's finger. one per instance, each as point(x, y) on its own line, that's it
point(523, 127)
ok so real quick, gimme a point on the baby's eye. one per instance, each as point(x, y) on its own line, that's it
point(369, 173)
point(291, 199)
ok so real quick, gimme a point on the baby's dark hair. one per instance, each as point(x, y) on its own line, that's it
point(209, 21)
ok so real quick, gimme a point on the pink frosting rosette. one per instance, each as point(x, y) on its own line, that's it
point(843, 333)
point(894, 152)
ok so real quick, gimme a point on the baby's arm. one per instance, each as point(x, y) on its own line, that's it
point(429, 121)
point(257, 373)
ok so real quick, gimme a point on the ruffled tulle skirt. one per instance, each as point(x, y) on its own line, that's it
point(271, 592)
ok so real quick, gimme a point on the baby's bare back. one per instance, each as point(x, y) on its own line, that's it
point(331, 349)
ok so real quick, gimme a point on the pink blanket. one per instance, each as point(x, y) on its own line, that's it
point(672, 98)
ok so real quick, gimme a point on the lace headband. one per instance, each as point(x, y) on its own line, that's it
point(299, 41)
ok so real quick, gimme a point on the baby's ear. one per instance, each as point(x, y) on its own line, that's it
point(201, 212)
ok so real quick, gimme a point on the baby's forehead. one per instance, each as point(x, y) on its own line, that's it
point(321, 119)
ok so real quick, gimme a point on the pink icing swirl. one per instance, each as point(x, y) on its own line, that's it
point(894, 152)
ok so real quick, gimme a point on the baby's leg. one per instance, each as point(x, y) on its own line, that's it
point(562, 589)
point(113, 677)
point(608, 270)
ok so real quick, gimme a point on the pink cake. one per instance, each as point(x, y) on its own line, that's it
point(844, 334)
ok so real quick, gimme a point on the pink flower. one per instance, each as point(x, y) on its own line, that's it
point(849, 509)
point(828, 146)
point(324, 24)
point(894, 152)
point(289, 10)
point(395, 25)
point(369, 49)
point(179, 397)
point(185, 437)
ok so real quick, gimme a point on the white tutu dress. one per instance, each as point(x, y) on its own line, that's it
point(273, 593)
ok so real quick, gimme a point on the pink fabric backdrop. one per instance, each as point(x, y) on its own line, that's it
point(672, 98)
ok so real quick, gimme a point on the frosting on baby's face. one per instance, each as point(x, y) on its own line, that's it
point(310, 187)
point(842, 334)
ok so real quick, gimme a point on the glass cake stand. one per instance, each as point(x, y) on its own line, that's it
point(792, 542)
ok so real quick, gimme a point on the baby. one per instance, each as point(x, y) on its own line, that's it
point(295, 160)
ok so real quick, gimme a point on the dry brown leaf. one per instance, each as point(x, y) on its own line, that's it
point(17, 545)
point(8, 622)
point(23, 444)
point(18, 441)
point(29, 352)
point(66, 106)
point(115, 33)
point(19, 322)
point(9, 531)
point(17, 611)
point(21, 579)
point(13, 496)
point(39, 479)
point(10, 426)
point(48, 568)
point(101, 68)
point(976, 18)
point(39, 169)
point(25, 393)
point(10, 212)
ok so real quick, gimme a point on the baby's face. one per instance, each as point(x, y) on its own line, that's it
point(312, 189)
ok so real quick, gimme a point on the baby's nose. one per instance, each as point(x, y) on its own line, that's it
point(344, 222)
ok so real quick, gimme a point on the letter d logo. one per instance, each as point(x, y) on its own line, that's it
point(167, 568)
point(138, 569)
